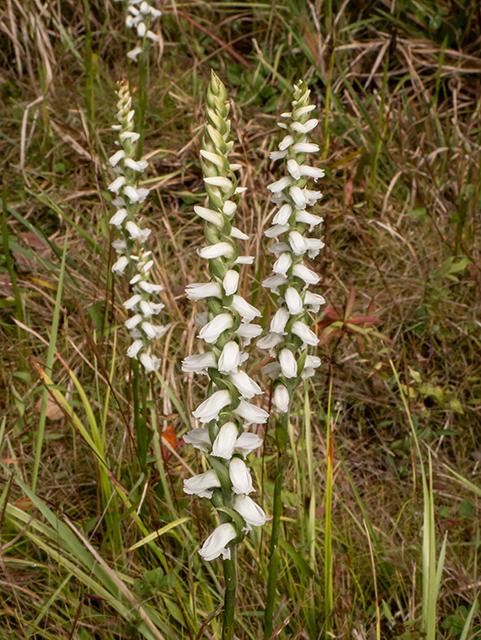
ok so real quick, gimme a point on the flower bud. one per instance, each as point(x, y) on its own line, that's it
point(224, 443)
point(240, 476)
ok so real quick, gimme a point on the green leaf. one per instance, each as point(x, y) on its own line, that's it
point(466, 509)
point(419, 214)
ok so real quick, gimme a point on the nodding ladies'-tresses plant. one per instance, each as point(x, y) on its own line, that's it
point(134, 256)
point(226, 326)
point(290, 330)
point(139, 17)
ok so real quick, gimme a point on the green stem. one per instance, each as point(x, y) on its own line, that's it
point(281, 441)
point(328, 586)
point(230, 591)
point(139, 389)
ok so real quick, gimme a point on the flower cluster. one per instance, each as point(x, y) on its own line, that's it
point(139, 16)
point(290, 331)
point(227, 327)
point(134, 255)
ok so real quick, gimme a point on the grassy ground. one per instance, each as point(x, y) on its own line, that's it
point(397, 86)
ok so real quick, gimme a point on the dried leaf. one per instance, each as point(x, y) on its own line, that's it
point(53, 410)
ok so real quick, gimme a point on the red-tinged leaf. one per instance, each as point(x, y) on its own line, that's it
point(348, 192)
point(361, 343)
point(326, 336)
point(320, 512)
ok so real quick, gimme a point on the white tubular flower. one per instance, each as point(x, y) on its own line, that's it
point(288, 363)
point(282, 264)
point(150, 363)
point(120, 265)
point(281, 398)
point(118, 218)
point(224, 443)
point(230, 282)
point(229, 359)
point(202, 485)
point(117, 184)
point(210, 408)
point(308, 218)
point(216, 543)
point(293, 301)
point(298, 243)
point(116, 158)
point(272, 369)
point(245, 385)
point(240, 476)
point(313, 301)
point(250, 413)
point(244, 309)
point(302, 272)
point(221, 249)
point(270, 341)
point(279, 321)
point(134, 348)
point(305, 334)
point(201, 291)
point(199, 439)
point(246, 443)
point(283, 215)
point(280, 185)
point(248, 332)
point(212, 330)
point(250, 511)
point(310, 366)
point(199, 363)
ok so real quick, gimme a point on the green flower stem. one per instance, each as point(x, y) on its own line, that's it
point(142, 105)
point(139, 390)
point(281, 440)
point(230, 591)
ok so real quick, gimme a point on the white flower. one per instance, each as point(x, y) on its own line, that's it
point(276, 230)
point(293, 301)
point(288, 363)
point(118, 201)
point(293, 169)
point(199, 363)
point(270, 341)
point(281, 398)
point(277, 155)
point(313, 301)
point(216, 543)
point(302, 272)
point(140, 166)
point(136, 195)
point(199, 291)
point(279, 321)
point(305, 334)
point(132, 302)
point(129, 135)
point(282, 264)
point(246, 443)
point(200, 319)
point(280, 185)
point(230, 282)
point(116, 158)
point(210, 215)
point(283, 215)
point(219, 181)
point(118, 218)
point(240, 476)
point(229, 359)
point(134, 348)
point(155, 13)
point(133, 321)
point(119, 266)
point(297, 113)
point(312, 196)
point(286, 142)
point(212, 330)
point(202, 484)
point(119, 245)
point(298, 196)
point(198, 438)
point(308, 218)
point(245, 385)
point(244, 260)
point(310, 366)
point(150, 363)
point(244, 309)
point(274, 282)
point(311, 172)
point(136, 233)
point(278, 248)
point(313, 246)
point(210, 408)
point(134, 53)
point(297, 242)
point(229, 208)
point(152, 36)
point(305, 147)
point(272, 369)
point(249, 331)
point(216, 251)
point(117, 184)
point(238, 234)
point(141, 29)
point(224, 443)
point(150, 288)
point(250, 413)
point(250, 511)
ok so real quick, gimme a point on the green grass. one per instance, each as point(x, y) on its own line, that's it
point(394, 514)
